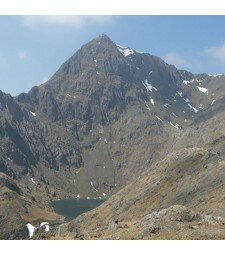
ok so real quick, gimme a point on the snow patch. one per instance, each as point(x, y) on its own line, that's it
point(174, 114)
point(31, 230)
point(179, 93)
point(175, 126)
point(215, 75)
point(152, 101)
point(213, 102)
point(95, 60)
point(204, 90)
point(33, 180)
point(166, 105)
point(68, 95)
point(192, 81)
point(186, 100)
point(187, 82)
point(47, 228)
point(148, 86)
point(147, 106)
point(46, 224)
point(193, 108)
point(125, 51)
point(34, 114)
point(93, 186)
point(158, 118)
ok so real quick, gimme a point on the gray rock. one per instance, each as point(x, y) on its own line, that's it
point(113, 225)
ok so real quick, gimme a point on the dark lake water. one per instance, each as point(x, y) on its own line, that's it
point(72, 208)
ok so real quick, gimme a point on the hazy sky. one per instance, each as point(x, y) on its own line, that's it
point(33, 47)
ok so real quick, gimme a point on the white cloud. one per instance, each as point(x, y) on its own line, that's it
point(212, 56)
point(217, 52)
point(77, 21)
point(187, 60)
point(175, 59)
point(44, 79)
point(22, 55)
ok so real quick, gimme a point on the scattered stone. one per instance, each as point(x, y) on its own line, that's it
point(113, 225)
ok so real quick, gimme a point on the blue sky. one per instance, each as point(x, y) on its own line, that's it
point(33, 47)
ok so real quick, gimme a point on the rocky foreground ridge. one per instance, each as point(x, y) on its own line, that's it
point(175, 222)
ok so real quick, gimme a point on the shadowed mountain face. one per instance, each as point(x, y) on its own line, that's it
point(105, 117)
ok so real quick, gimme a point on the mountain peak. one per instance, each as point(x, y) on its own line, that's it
point(99, 49)
point(101, 41)
point(104, 37)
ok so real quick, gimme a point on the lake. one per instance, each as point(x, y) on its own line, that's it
point(72, 208)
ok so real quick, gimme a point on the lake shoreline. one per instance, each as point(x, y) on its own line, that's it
point(73, 207)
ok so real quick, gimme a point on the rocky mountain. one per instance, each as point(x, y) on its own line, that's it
point(111, 122)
